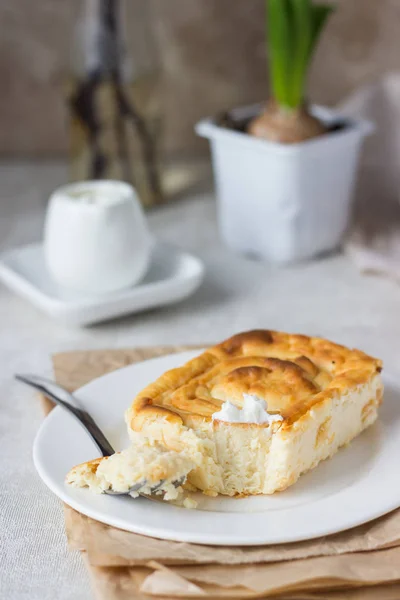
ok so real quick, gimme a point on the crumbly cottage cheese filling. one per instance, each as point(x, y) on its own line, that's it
point(254, 410)
point(144, 461)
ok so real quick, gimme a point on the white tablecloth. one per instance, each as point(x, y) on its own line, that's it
point(326, 297)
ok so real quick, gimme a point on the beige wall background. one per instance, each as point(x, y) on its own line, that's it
point(213, 58)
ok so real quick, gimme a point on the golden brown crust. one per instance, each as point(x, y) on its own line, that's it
point(291, 372)
point(92, 465)
point(88, 469)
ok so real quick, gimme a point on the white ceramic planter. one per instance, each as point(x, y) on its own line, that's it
point(284, 202)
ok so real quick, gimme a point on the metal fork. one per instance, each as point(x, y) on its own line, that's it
point(66, 400)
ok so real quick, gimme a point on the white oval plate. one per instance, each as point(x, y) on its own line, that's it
point(357, 485)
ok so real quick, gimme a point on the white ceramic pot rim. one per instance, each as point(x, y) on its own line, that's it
point(120, 189)
point(208, 128)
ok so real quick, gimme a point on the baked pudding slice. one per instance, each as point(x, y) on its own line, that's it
point(256, 411)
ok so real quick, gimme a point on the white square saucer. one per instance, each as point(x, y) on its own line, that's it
point(173, 275)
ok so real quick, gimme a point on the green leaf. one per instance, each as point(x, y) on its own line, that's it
point(302, 30)
point(279, 21)
point(320, 12)
point(294, 27)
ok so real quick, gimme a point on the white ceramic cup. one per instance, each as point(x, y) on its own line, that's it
point(96, 238)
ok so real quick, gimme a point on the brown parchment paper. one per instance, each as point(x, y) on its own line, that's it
point(360, 563)
point(107, 546)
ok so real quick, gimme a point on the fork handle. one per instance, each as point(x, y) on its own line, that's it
point(83, 417)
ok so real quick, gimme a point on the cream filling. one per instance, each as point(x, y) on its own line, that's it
point(254, 410)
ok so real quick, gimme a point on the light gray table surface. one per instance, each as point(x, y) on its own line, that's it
point(325, 297)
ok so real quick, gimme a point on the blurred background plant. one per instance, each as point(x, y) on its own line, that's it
point(113, 99)
point(212, 56)
point(293, 30)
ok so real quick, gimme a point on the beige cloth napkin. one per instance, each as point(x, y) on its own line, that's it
point(363, 563)
point(374, 240)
